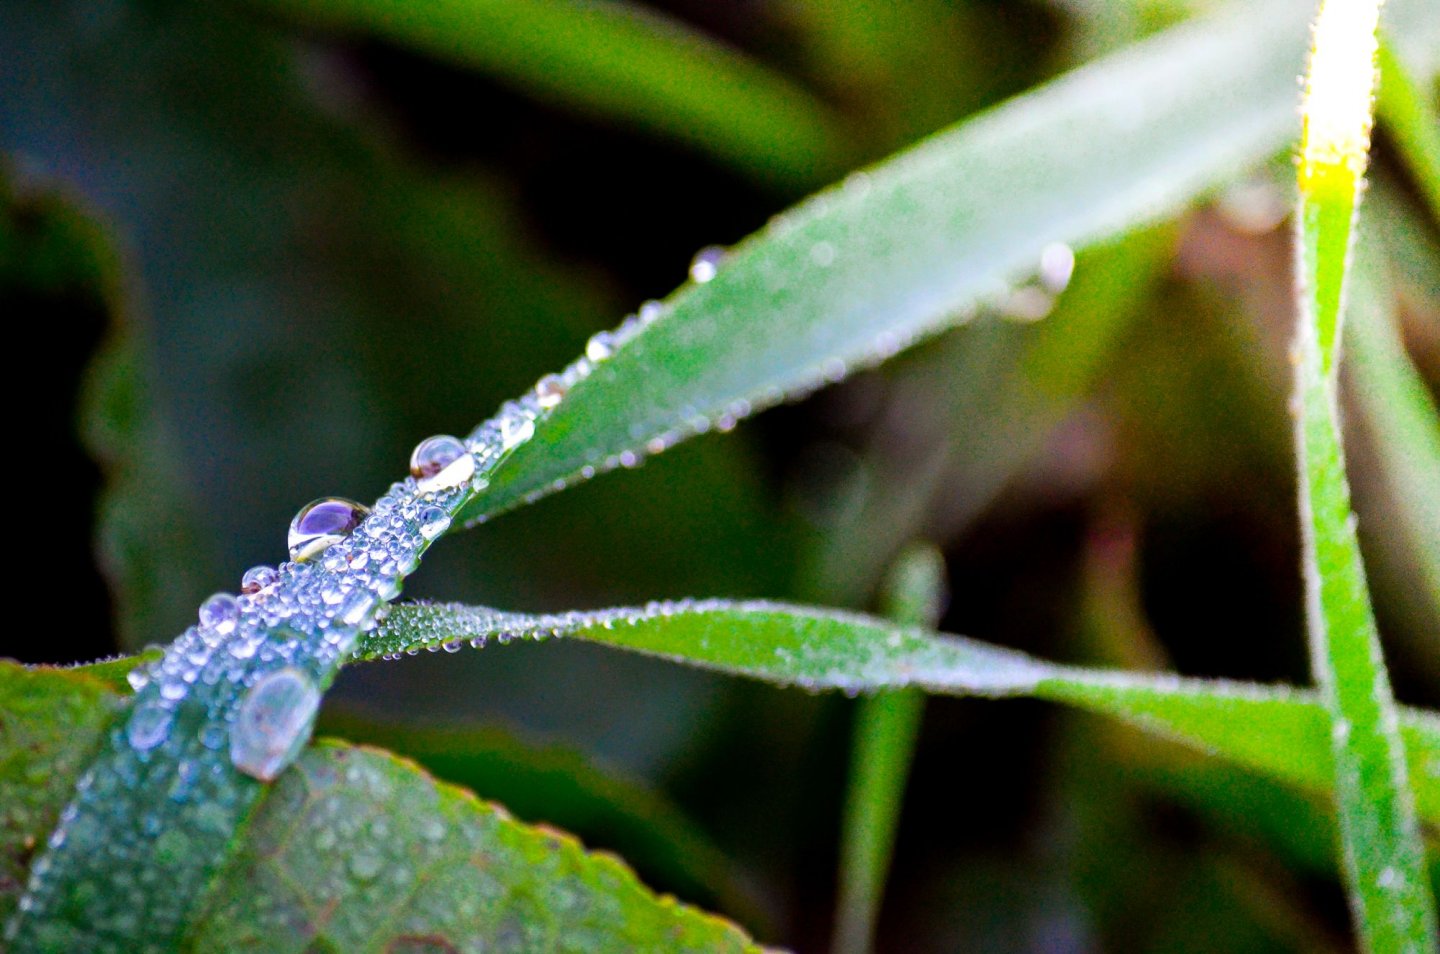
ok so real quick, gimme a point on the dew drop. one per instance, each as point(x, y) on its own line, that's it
point(1027, 303)
point(823, 254)
point(149, 725)
point(1057, 264)
point(433, 522)
point(258, 578)
point(549, 390)
point(321, 524)
point(600, 346)
point(516, 429)
point(706, 263)
point(434, 454)
point(220, 613)
point(138, 678)
point(366, 865)
point(273, 722)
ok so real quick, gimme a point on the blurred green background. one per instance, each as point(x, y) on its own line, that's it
point(256, 250)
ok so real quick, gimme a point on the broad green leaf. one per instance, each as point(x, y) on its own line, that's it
point(562, 786)
point(1383, 858)
point(887, 725)
point(51, 722)
point(1278, 730)
point(617, 61)
point(358, 850)
point(354, 849)
point(907, 248)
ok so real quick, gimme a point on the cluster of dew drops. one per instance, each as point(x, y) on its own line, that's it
point(291, 623)
point(248, 675)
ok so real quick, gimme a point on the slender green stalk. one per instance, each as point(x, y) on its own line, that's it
point(1383, 858)
point(1412, 122)
point(886, 726)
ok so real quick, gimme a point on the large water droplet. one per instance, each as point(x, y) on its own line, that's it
point(258, 578)
point(434, 454)
point(321, 524)
point(148, 726)
point(706, 263)
point(220, 613)
point(273, 722)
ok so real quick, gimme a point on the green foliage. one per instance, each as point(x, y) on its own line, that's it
point(356, 849)
point(176, 843)
point(1384, 858)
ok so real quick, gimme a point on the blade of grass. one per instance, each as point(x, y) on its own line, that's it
point(1278, 730)
point(615, 61)
point(1383, 859)
point(1412, 122)
point(886, 727)
point(1402, 418)
point(908, 248)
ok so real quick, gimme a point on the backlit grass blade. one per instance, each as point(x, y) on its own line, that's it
point(1412, 122)
point(1383, 859)
point(886, 727)
point(1278, 730)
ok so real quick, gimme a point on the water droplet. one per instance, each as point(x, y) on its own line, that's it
point(434, 454)
point(258, 578)
point(433, 522)
point(139, 678)
point(455, 474)
point(366, 864)
point(220, 613)
point(1027, 303)
point(549, 390)
point(600, 346)
point(321, 524)
point(273, 722)
point(1057, 264)
point(706, 263)
point(1254, 207)
point(823, 254)
point(516, 429)
point(148, 726)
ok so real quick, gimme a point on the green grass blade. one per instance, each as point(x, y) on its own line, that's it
point(1402, 420)
point(615, 61)
point(909, 247)
point(886, 727)
point(1412, 122)
point(1278, 730)
point(1383, 858)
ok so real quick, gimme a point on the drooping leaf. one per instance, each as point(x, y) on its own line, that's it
point(1278, 730)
